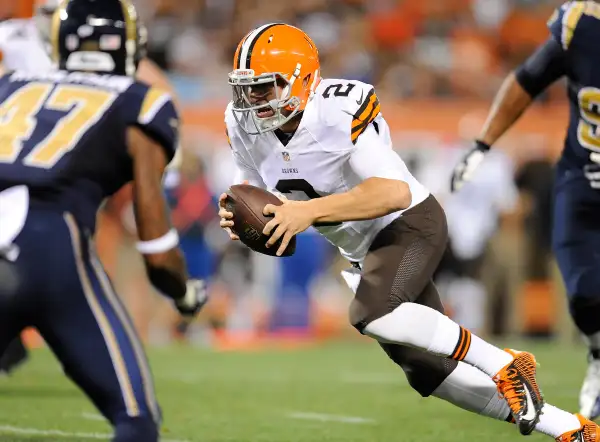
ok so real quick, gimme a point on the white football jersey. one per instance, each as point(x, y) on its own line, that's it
point(342, 140)
point(22, 47)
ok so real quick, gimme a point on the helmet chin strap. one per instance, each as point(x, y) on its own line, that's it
point(288, 87)
point(285, 95)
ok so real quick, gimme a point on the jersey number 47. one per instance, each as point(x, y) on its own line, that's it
point(78, 109)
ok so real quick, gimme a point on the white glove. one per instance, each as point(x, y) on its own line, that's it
point(196, 296)
point(14, 208)
point(464, 170)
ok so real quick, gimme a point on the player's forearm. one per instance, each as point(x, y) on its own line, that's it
point(373, 198)
point(509, 104)
point(169, 275)
point(166, 269)
point(165, 264)
point(167, 272)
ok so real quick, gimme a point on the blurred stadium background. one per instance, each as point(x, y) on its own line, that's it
point(436, 65)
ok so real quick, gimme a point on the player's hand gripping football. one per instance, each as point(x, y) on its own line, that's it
point(464, 170)
point(289, 219)
point(196, 296)
point(226, 222)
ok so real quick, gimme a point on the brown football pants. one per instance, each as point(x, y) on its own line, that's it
point(399, 268)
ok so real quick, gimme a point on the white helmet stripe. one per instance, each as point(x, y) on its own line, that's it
point(244, 59)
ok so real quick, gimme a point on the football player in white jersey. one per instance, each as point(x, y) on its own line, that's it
point(325, 146)
point(22, 43)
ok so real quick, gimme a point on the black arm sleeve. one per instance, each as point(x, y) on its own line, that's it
point(546, 65)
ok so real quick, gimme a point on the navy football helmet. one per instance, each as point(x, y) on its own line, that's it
point(102, 36)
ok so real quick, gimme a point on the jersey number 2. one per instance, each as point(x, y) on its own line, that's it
point(337, 90)
point(299, 185)
point(83, 106)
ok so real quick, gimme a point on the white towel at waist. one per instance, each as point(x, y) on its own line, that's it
point(14, 207)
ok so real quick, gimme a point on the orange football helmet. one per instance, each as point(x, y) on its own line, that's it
point(280, 54)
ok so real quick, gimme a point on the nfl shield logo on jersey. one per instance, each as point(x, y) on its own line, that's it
point(286, 156)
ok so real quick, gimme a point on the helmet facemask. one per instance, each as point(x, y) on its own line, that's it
point(268, 113)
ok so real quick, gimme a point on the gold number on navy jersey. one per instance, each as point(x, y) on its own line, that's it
point(17, 119)
point(84, 106)
point(588, 130)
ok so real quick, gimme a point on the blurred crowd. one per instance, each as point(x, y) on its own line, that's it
point(426, 48)
point(497, 275)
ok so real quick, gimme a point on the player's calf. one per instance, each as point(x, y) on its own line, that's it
point(584, 306)
point(474, 391)
point(425, 372)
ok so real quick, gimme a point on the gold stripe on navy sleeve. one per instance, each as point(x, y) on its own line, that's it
point(570, 22)
point(154, 100)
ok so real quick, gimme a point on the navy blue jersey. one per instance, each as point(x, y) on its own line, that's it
point(576, 26)
point(64, 135)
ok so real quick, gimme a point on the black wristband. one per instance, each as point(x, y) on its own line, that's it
point(167, 282)
point(480, 145)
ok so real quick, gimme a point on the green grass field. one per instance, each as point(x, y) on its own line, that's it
point(346, 392)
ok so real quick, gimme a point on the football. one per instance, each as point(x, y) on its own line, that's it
point(247, 202)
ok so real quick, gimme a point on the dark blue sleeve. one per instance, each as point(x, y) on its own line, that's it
point(5, 79)
point(546, 65)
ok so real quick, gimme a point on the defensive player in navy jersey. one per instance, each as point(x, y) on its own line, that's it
point(69, 139)
point(572, 51)
point(27, 52)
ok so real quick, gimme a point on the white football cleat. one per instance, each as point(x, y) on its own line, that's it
point(589, 397)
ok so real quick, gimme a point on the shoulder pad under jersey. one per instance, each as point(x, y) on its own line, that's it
point(571, 22)
point(156, 115)
point(346, 107)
